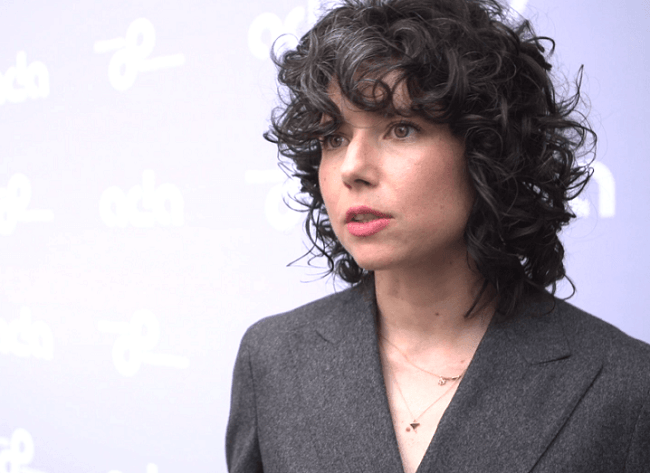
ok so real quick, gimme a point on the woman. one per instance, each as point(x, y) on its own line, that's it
point(439, 166)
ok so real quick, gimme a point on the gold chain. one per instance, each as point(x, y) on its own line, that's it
point(442, 380)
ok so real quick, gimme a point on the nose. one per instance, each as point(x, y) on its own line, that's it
point(359, 167)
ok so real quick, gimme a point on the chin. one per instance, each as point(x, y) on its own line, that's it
point(374, 262)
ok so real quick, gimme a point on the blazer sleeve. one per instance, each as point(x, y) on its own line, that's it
point(638, 456)
point(242, 446)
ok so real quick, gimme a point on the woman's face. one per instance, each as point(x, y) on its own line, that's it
point(396, 189)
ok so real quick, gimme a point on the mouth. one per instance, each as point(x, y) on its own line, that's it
point(363, 221)
point(363, 218)
point(363, 214)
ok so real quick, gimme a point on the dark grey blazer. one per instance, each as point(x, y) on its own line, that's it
point(561, 392)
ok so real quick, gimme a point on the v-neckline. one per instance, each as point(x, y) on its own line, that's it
point(397, 428)
point(522, 378)
point(425, 463)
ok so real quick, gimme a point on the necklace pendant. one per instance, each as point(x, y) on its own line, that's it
point(442, 381)
point(415, 425)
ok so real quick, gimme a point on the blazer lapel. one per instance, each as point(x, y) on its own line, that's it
point(517, 393)
point(343, 387)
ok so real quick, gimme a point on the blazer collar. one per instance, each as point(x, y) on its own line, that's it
point(350, 316)
point(518, 391)
point(340, 373)
point(537, 333)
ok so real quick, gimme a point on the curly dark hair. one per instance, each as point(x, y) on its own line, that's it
point(465, 63)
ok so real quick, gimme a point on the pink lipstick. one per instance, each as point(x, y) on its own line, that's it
point(362, 221)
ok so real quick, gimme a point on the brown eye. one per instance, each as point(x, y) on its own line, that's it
point(403, 130)
point(332, 142)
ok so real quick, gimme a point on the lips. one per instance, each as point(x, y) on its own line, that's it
point(363, 221)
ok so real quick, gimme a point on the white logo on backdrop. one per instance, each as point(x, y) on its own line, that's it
point(24, 338)
point(118, 208)
point(606, 194)
point(267, 27)
point(22, 81)
point(14, 200)
point(17, 452)
point(135, 343)
point(151, 468)
point(132, 54)
point(277, 213)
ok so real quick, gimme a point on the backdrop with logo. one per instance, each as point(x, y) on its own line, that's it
point(142, 224)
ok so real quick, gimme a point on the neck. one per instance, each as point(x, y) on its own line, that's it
point(425, 308)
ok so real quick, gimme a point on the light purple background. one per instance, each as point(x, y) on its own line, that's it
point(210, 255)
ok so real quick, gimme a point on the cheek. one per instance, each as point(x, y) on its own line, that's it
point(444, 186)
point(330, 193)
point(325, 183)
point(322, 184)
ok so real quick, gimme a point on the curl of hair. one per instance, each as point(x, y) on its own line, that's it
point(465, 65)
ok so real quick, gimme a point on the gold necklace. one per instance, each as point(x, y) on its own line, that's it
point(415, 424)
point(442, 380)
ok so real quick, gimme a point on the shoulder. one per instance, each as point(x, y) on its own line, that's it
point(325, 312)
point(586, 332)
point(550, 329)
point(625, 360)
point(622, 388)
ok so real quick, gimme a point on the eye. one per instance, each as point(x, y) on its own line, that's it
point(404, 130)
point(331, 141)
